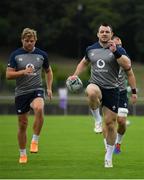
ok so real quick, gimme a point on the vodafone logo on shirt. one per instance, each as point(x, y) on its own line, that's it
point(100, 63)
point(30, 65)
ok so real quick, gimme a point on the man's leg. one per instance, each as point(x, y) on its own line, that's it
point(94, 96)
point(22, 138)
point(121, 120)
point(104, 136)
point(38, 107)
point(110, 128)
point(97, 120)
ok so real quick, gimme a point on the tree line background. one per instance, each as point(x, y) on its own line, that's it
point(67, 27)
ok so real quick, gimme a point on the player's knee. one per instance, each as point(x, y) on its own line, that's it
point(92, 93)
point(121, 121)
point(110, 125)
point(92, 89)
point(38, 109)
point(122, 112)
point(23, 123)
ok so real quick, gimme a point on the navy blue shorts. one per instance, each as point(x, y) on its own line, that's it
point(22, 103)
point(110, 98)
point(123, 99)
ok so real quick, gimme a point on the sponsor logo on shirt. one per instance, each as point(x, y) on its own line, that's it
point(32, 66)
point(100, 63)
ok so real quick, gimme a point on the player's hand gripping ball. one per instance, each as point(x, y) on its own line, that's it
point(74, 84)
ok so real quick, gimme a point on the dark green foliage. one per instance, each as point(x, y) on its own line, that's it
point(67, 27)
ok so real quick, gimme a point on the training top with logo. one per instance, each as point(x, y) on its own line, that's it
point(104, 66)
point(21, 59)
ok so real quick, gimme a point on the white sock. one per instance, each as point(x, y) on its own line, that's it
point(105, 143)
point(35, 138)
point(22, 152)
point(109, 153)
point(119, 138)
point(96, 115)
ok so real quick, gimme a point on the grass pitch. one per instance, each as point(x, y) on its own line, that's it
point(69, 149)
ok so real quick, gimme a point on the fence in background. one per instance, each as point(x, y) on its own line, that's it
point(75, 105)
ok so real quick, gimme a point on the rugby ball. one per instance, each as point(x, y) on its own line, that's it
point(74, 84)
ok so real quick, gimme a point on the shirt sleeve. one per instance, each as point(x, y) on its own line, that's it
point(45, 62)
point(122, 51)
point(86, 54)
point(12, 61)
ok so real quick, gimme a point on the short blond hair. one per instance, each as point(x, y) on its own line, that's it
point(28, 32)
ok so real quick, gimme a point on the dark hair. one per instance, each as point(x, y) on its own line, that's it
point(114, 36)
point(106, 25)
point(119, 40)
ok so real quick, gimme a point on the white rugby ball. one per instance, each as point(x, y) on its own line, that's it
point(74, 84)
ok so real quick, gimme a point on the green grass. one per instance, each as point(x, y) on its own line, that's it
point(138, 70)
point(69, 149)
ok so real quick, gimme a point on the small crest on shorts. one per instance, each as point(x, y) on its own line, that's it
point(114, 107)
